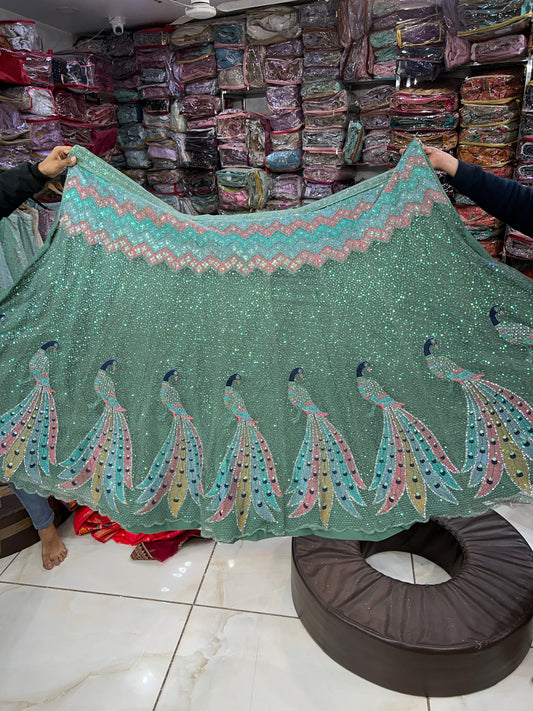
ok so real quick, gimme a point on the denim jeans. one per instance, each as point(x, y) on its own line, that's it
point(37, 507)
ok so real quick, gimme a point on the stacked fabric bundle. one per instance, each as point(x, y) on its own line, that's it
point(354, 20)
point(28, 115)
point(486, 32)
point(488, 136)
point(382, 37)
point(429, 114)
point(242, 189)
point(326, 105)
point(420, 39)
point(374, 122)
point(230, 41)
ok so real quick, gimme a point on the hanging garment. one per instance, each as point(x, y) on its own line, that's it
point(338, 369)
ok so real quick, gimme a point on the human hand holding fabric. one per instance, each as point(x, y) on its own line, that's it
point(440, 160)
point(55, 161)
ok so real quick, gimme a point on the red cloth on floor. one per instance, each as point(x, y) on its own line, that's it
point(156, 546)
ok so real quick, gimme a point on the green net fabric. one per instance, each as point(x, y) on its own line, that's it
point(343, 369)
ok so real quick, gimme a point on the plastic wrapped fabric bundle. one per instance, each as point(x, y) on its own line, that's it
point(489, 114)
point(229, 33)
point(377, 97)
point(445, 140)
point(202, 86)
point(376, 148)
point(198, 68)
point(232, 78)
point(71, 106)
point(528, 97)
point(101, 115)
point(318, 14)
point(73, 133)
point(30, 99)
point(253, 66)
point(321, 58)
point(323, 158)
point(283, 70)
point(281, 98)
point(424, 99)
point(377, 118)
point(234, 290)
point(354, 20)
point(353, 147)
point(13, 124)
point(290, 120)
point(233, 154)
point(286, 140)
point(500, 49)
point(493, 87)
point(342, 100)
point(14, 152)
point(320, 38)
point(272, 25)
point(231, 125)
point(475, 15)
point(424, 121)
point(151, 37)
point(333, 119)
point(384, 70)
point(257, 140)
point(286, 48)
point(323, 138)
point(524, 171)
point(525, 149)
point(287, 187)
point(228, 57)
point(283, 161)
point(427, 69)
point(165, 177)
point(504, 133)
point(457, 53)
point(20, 34)
point(45, 133)
point(519, 245)
point(137, 158)
point(487, 155)
point(357, 61)
point(319, 89)
point(200, 105)
point(129, 113)
point(131, 135)
point(26, 67)
point(192, 34)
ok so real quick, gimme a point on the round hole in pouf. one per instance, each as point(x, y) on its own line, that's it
point(449, 639)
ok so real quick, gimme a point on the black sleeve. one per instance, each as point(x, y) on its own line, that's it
point(17, 185)
point(503, 198)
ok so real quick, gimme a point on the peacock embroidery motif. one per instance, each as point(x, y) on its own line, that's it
point(28, 432)
point(177, 468)
point(247, 475)
point(105, 455)
point(499, 435)
point(410, 458)
point(517, 334)
point(325, 469)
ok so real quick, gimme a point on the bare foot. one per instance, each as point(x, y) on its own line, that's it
point(52, 547)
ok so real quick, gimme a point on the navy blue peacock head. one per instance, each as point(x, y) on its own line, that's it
point(50, 344)
point(294, 373)
point(108, 364)
point(236, 377)
point(170, 374)
point(365, 365)
point(427, 345)
point(494, 313)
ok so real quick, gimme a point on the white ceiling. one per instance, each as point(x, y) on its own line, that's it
point(86, 16)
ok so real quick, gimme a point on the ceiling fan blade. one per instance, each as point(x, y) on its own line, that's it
point(181, 20)
point(233, 5)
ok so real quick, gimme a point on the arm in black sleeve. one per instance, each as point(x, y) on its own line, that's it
point(17, 185)
point(502, 198)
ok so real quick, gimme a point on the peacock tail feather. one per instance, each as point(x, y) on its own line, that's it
point(246, 476)
point(176, 469)
point(500, 437)
point(29, 434)
point(410, 458)
point(325, 470)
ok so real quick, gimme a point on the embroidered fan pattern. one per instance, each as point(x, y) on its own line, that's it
point(105, 454)
point(247, 475)
point(177, 468)
point(28, 432)
point(325, 469)
point(499, 435)
point(410, 457)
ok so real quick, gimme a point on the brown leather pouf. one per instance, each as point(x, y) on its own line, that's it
point(449, 639)
point(16, 529)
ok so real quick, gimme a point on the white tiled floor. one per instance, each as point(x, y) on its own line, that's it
point(213, 628)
